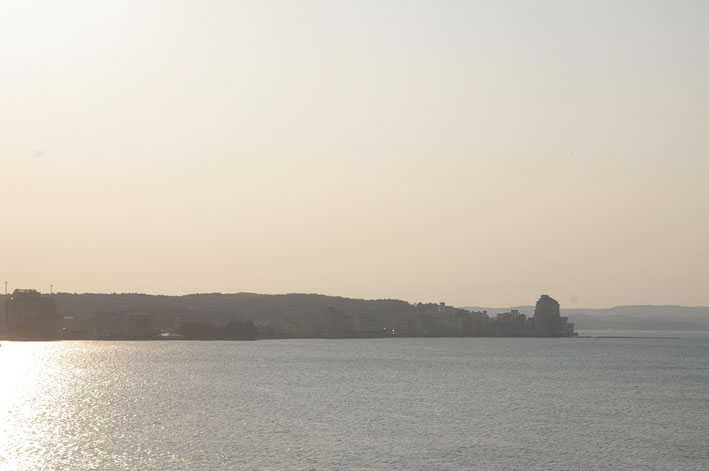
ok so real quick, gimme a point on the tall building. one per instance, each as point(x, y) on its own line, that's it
point(31, 316)
point(547, 317)
point(547, 320)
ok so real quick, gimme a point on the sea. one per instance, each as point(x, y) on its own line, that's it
point(603, 401)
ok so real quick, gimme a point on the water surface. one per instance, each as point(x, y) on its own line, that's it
point(421, 404)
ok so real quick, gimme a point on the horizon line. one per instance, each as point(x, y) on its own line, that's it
point(343, 297)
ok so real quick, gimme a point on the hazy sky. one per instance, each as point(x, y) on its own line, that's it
point(477, 153)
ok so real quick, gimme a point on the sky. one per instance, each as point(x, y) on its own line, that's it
point(475, 153)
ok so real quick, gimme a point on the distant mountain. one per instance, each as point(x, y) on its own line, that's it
point(627, 317)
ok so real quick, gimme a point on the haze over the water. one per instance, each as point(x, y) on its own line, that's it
point(478, 154)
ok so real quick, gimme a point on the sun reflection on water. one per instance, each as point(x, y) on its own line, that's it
point(79, 406)
point(32, 391)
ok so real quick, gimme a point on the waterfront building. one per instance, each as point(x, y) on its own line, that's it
point(370, 324)
point(348, 326)
point(338, 324)
point(31, 316)
point(547, 320)
point(464, 323)
point(125, 325)
point(510, 324)
point(546, 317)
point(570, 329)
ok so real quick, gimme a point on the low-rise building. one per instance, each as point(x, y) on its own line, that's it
point(124, 325)
point(370, 324)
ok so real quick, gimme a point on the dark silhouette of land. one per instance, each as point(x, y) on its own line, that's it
point(641, 317)
point(247, 316)
point(233, 330)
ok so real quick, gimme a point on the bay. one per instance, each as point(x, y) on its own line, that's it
point(475, 403)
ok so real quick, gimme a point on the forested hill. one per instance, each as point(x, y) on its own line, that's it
point(217, 307)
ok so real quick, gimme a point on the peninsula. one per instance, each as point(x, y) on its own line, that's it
point(30, 315)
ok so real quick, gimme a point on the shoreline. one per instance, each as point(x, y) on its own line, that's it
point(331, 338)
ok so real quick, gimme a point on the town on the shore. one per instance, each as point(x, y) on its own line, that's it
point(31, 315)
